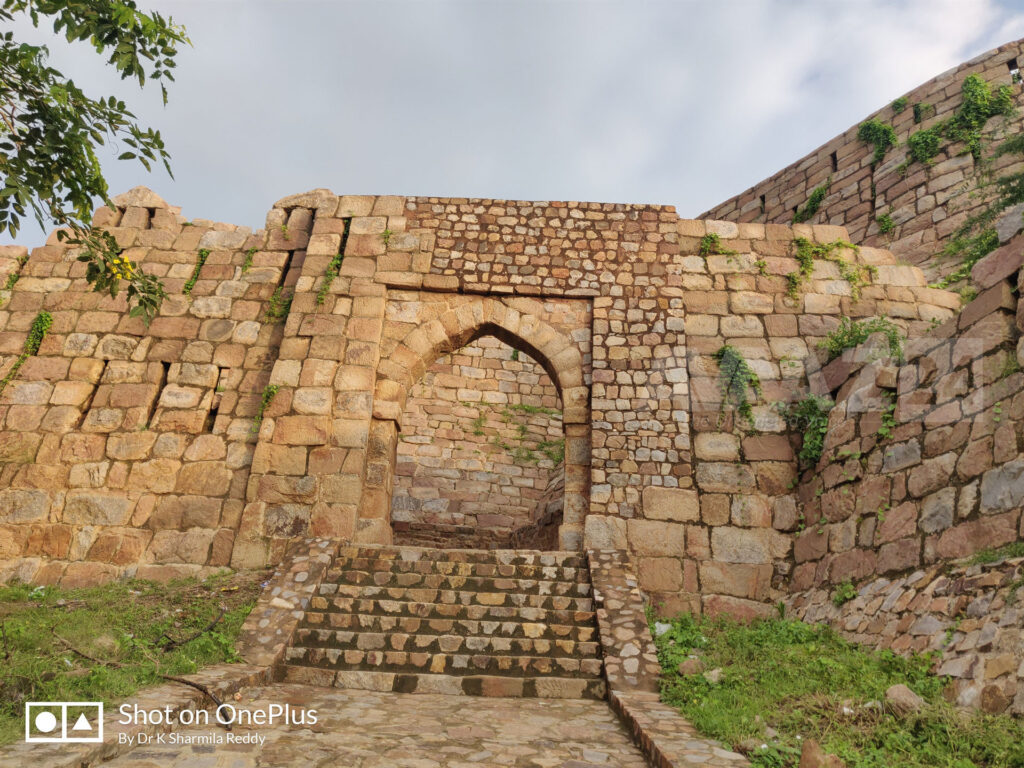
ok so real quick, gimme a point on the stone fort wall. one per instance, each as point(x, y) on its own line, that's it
point(156, 450)
point(926, 203)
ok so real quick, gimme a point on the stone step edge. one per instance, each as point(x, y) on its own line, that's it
point(489, 552)
point(344, 577)
point(452, 685)
point(347, 645)
point(513, 671)
point(590, 617)
point(362, 630)
point(589, 599)
point(568, 574)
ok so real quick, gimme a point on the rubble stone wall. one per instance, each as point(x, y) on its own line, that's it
point(480, 440)
point(926, 203)
point(973, 615)
point(922, 459)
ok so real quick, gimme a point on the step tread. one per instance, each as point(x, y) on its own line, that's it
point(444, 663)
point(442, 581)
point(497, 570)
point(331, 593)
point(506, 556)
point(583, 632)
point(457, 685)
point(308, 637)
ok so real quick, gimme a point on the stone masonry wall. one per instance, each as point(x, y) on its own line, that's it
point(926, 204)
point(616, 303)
point(472, 449)
point(922, 460)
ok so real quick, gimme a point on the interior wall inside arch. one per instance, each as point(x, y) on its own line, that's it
point(479, 458)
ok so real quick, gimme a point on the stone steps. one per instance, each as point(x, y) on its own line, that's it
point(450, 643)
point(415, 619)
point(497, 556)
point(451, 685)
point(572, 588)
point(446, 568)
point(345, 595)
point(445, 663)
point(421, 610)
point(584, 632)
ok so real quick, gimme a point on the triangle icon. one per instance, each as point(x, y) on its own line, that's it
point(81, 724)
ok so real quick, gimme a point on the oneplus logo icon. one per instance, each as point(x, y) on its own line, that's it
point(64, 721)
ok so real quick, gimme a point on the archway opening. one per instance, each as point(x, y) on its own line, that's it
point(480, 458)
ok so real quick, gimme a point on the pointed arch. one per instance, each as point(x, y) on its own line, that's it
point(555, 351)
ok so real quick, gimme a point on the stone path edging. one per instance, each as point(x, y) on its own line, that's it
point(632, 671)
point(268, 630)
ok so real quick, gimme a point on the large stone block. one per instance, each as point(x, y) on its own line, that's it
point(1003, 488)
point(23, 506)
point(736, 579)
point(660, 574)
point(740, 545)
point(676, 504)
point(97, 508)
point(604, 532)
point(651, 537)
point(715, 477)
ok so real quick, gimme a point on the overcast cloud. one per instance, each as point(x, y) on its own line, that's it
point(683, 103)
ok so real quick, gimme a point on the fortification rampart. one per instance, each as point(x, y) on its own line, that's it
point(911, 208)
point(267, 399)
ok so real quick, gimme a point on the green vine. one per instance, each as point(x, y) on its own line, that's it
point(806, 252)
point(735, 377)
point(844, 593)
point(265, 399)
point(712, 244)
point(36, 333)
point(808, 415)
point(334, 267)
point(247, 264)
point(921, 111)
point(813, 203)
point(852, 333)
point(899, 105)
point(278, 307)
point(888, 416)
point(881, 136)
point(885, 223)
point(204, 253)
point(14, 276)
point(979, 104)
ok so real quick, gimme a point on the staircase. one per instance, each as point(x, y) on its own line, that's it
point(473, 622)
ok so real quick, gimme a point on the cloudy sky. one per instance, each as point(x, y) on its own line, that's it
point(680, 102)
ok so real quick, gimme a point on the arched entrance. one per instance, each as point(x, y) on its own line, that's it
point(407, 363)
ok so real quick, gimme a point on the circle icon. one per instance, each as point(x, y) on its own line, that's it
point(45, 722)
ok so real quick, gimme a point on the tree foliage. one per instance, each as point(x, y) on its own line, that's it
point(50, 129)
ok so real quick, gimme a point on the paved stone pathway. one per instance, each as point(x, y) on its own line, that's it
point(368, 729)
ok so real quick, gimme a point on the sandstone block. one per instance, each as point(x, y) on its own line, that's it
point(740, 545)
point(676, 504)
point(650, 537)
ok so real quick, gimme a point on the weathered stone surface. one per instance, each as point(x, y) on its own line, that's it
point(740, 545)
point(1003, 488)
point(676, 504)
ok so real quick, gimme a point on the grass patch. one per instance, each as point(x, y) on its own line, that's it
point(804, 681)
point(127, 623)
point(1016, 549)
